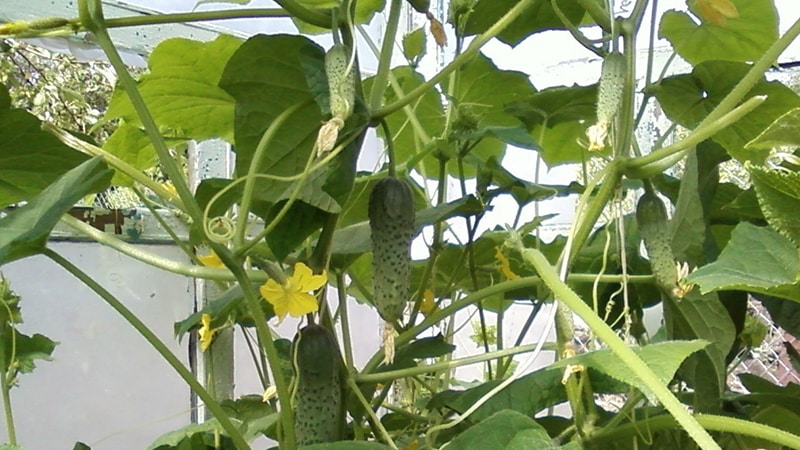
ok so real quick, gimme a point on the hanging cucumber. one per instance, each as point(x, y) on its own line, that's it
point(651, 215)
point(318, 391)
point(391, 220)
point(341, 81)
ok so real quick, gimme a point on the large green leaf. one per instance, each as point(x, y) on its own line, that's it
point(484, 91)
point(688, 98)
point(506, 430)
point(24, 231)
point(756, 259)
point(528, 395)
point(702, 317)
point(557, 119)
point(30, 159)
point(182, 89)
point(663, 358)
point(268, 75)
point(778, 193)
point(744, 38)
point(539, 17)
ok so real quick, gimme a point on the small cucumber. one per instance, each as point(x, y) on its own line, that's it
point(651, 215)
point(318, 390)
point(391, 220)
point(612, 84)
point(341, 81)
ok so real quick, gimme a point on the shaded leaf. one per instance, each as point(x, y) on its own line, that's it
point(743, 38)
point(429, 347)
point(557, 119)
point(30, 159)
point(505, 430)
point(537, 18)
point(527, 395)
point(24, 231)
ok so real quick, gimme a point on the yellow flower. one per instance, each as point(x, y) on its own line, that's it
point(428, 305)
point(211, 260)
point(206, 332)
point(294, 297)
point(504, 265)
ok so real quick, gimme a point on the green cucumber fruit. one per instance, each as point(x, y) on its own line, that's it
point(612, 85)
point(651, 216)
point(318, 390)
point(391, 220)
point(341, 81)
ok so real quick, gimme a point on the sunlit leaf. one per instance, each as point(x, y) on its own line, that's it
point(181, 90)
point(732, 30)
point(756, 259)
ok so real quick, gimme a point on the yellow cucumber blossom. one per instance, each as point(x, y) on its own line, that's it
point(683, 287)
point(294, 297)
point(211, 260)
point(428, 304)
point(206, 332)
point(504, 265)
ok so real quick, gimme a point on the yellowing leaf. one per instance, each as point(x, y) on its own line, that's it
point(716, 11)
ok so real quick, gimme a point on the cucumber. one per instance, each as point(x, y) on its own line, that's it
point(341, 81)
point(611, 87)
point(651, 216)
point(318, 389)
point(391, 220)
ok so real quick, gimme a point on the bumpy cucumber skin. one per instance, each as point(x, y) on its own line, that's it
point(651, 216)
point(341, 81)
point(391, 220)
point(612, 84)
point(318, 396)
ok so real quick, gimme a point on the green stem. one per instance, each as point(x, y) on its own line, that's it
point(345, 320)
point(753, 76)
point(156, 343)
point(440, 314)
point(641, 167)
point(118, 164)
point(91, 15)
point(250, 181)
point(381, 377)
point(384, 63)
point(376, 422)
point(5, 386)
point(196, 16)
point(136, 252)
point(597, 13)
point(617, 345)
point(312, 16)
point(708, 421)
point(587, 218)
point(266, 342)
point(458, 61)
point(625, 123)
